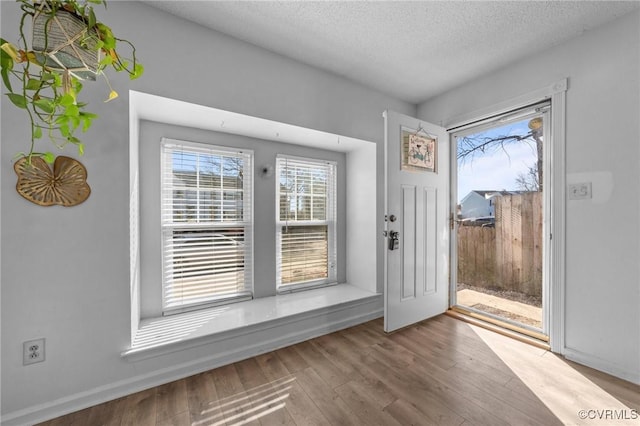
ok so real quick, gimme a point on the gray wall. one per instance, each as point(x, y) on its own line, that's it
point(602, 146)
point(65, 271)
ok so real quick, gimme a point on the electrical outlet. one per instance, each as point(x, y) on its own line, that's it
point(33, 351)
point(580, 191)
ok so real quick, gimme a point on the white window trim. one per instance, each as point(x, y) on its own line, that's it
point(330, 222)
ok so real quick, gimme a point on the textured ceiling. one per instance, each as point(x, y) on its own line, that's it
point(412, 50)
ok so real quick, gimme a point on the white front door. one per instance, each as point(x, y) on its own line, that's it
point(416, 220)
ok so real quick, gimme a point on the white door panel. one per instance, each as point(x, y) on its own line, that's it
point(416, 202)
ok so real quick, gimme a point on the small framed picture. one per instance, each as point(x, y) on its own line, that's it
point(418, 151)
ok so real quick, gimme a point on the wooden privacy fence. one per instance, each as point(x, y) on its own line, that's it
point(509, 255)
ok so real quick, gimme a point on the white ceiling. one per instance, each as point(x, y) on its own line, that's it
point(411, 50)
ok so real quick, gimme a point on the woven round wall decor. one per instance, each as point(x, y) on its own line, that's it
point(65, 185)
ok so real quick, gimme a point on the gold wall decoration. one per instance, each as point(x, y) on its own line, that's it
point(65, 185)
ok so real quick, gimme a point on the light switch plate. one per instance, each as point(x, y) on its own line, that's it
point(580, 191)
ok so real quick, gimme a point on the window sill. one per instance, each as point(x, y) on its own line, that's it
point(163, 335)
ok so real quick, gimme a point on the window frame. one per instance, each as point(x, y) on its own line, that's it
point(330, 222)
point(167, 147)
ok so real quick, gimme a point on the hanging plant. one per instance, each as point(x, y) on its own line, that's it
point(68, 45)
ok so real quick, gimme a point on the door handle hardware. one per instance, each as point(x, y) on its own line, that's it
point(394, 243)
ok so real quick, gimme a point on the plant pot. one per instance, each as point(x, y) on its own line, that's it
point(62, 41)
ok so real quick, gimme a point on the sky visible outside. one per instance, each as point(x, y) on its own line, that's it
point(497, 169)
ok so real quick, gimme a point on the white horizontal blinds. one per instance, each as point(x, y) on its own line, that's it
point(306, 221)
point(304, 254)
point(206, 224)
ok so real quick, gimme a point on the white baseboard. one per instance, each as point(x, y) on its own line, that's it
point(602, 365)
point(241, 346)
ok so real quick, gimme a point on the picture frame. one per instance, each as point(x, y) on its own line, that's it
point(419, 151)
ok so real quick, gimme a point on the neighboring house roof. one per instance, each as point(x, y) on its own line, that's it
point(476, 193)
point(486, 194)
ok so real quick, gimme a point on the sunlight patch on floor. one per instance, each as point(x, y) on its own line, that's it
point(571, 397)
point(247, 406)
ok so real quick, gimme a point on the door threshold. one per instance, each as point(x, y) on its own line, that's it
point(521, 334)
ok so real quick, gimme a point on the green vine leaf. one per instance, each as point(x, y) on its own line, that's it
point(33, 84)
point(46, 105)
point(6, 65)
point(106, 36)
point(49, 157)
point(72, 111)
point(64, 129)
point(18, 100)
point(92, 18)
point(5, 78)
point(87, 120)
point(88, 115)
point(106, 61)
point(75, 121)
point(67, 100)
point(9, 50)
point(138, 70)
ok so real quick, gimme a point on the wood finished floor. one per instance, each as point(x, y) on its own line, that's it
point(440, 371)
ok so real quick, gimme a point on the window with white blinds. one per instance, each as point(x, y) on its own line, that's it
point(206, 225)
point(305, 218)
